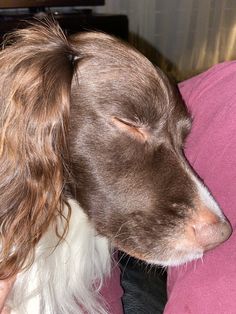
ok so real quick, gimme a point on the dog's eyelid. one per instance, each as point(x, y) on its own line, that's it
point(132, 128)
point(128, 122)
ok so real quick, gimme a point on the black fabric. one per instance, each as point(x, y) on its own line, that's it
point(144, 287)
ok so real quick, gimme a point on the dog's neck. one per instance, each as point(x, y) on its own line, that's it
point(80, 263)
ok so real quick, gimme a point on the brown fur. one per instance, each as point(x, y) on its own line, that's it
point(128, 184)
point(91, 118)
point(35, 105)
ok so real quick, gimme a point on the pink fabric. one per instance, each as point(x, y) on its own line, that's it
point(209, 286)
point(112, 292)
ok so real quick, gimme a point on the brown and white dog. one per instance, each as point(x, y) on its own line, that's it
point(91, 158)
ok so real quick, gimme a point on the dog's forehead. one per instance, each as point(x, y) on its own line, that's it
point(113, 79)
point(105, 46)
point(104, 56)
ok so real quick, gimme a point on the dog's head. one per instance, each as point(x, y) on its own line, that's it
point(127, 130)
point(97, 109)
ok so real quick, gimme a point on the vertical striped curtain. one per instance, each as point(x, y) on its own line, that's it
point(183, 37)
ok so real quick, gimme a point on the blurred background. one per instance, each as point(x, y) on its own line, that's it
point(183, 37)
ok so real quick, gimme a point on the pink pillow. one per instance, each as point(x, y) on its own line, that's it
point(112, 291)
point(209, 286)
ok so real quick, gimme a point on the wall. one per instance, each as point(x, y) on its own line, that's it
point(184, 37)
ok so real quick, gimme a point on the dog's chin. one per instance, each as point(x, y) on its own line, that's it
point(177, 258)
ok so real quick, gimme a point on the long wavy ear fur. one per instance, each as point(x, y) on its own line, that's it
point(36, 70)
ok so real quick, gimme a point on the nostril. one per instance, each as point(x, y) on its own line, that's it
point(211, 235)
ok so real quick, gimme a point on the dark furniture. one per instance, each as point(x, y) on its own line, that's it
point(73, 22)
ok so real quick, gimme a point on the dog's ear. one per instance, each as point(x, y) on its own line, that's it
point(36, 71)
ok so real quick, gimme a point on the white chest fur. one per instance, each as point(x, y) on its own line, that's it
point(65, 279)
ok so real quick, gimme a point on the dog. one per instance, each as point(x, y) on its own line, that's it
point(92, 159)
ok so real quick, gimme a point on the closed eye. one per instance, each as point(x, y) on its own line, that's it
point(131, 128)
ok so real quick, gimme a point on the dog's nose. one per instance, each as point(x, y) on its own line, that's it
point(210, 235)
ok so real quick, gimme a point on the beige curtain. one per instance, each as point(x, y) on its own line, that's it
point(183, 37)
